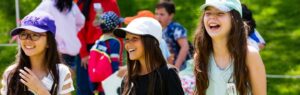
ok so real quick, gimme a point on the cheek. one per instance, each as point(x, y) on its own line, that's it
point(140, 46)
point(42, 42)
point(227, 23)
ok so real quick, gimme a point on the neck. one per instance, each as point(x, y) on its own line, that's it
point(37, 63)
point(220, 47)
point(165, 26)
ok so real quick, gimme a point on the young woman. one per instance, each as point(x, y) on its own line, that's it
point(148, 73)
point(224, 64)
point(37, 69)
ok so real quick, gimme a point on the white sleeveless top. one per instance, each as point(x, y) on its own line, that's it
point(220, 80)
point(47, 80)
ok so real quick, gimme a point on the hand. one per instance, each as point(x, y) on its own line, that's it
point(29, 79)
point(84, 62)
point(177, 67)
point(261, 46)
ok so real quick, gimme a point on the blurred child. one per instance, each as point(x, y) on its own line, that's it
point(105, 54)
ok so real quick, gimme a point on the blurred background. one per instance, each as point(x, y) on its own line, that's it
point(277, 21)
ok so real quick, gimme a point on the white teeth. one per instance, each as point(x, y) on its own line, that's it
point(213, 24)
point(29, 47)
point(131, 50)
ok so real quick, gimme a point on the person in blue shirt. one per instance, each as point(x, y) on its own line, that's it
point(173, 33)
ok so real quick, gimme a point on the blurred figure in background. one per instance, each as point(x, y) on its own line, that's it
point(69, 20)
point(88, 36)
point(173, 33)
point(106, 46)
point(254, 38)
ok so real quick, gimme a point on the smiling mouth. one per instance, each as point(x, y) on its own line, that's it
point(131, 50)
point(29, 47)
point(214, 26)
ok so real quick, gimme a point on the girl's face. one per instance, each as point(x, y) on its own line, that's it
point(217, 23)
point(134, 46)
point(32, 43)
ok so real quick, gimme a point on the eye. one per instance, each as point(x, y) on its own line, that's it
point(207, 13)
point(35, 35)
point(221, 14)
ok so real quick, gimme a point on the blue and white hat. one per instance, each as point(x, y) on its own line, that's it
point(36, 21)
point(109, 21)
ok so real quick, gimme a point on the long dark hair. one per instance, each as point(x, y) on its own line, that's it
point(62, 5)
point(15, 87)
point(154, 59)
point(237, 46)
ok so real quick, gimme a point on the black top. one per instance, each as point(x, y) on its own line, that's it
point(168, 84)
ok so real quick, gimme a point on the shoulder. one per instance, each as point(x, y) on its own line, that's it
point(253, 58)
point(63, 69)
point(113, 40)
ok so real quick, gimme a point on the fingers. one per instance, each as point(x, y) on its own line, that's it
point(28, 70)
point(24, 74)
point(24, 82)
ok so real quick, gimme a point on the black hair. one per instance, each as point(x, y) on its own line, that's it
point(62, 5)
point(169, 6)
point(248, 18)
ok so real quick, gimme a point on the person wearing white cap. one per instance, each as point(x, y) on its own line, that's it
point(224, 64)
point(148, 73)
point(37, 69)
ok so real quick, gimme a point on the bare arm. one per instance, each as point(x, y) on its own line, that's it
point(184, 47)
point(257, 72)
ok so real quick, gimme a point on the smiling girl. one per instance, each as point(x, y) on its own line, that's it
point(224, 64)
point(36, 69)
point(148, 73)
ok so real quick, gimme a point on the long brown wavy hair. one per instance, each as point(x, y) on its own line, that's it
point(237, 46)
point(154, 59)
point(15, 87)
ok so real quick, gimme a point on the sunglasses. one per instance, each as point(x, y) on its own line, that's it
point(31, 36)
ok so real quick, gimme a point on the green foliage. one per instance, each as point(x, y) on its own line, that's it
point(277, 21)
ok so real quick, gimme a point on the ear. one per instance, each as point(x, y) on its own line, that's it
point(171, 16)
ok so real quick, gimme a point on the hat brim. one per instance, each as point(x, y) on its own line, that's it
point(121, 32)
point(31, 28)
point(217, 5)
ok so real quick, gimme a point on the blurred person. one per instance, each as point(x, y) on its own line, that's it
point(106, 46)
point(88, 36)
point(254, 38)
point(224, 63)
point(69, 20)
point(173, 33)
